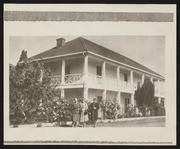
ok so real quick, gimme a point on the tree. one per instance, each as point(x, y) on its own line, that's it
point(144, 94)
point(31, 91)
point(23, 56)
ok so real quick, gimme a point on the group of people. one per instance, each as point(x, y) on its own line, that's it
point(82, 113)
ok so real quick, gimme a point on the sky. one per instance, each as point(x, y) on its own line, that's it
point(147, 50)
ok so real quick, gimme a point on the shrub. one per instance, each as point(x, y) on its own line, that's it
point(110, 109)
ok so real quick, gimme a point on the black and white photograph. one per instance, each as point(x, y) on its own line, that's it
point(105, 76)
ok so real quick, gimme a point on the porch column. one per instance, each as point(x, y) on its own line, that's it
point(63, 72)
point(159, 100)
point(131, 80)
point(151, 79)
point(104, 71)
point(142, 80)
point(104, 95)
point(85, 69)
point(118, 78)
point(132, 99)
point(85, 94)
point(62, 93)
point(119, 98)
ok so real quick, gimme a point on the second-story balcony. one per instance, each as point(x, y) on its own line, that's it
point(99, 82)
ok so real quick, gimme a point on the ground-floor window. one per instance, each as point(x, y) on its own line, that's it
point(127, 101)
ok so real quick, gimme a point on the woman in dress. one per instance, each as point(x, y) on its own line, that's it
point(83, 114)
point(76, 109)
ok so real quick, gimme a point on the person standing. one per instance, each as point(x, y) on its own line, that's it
point(83, 114)
point(94, 106)
point(76, 109)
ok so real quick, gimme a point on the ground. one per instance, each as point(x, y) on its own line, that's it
point(160, 122)
point(126, 122)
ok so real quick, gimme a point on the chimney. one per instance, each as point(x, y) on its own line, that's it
point(60, 42)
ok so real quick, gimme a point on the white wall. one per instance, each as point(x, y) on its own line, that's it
point(137, 78)
point(93, 93)
point(76, 65)
point(111, 71)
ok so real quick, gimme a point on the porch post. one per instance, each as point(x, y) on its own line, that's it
point(104, 71)
point(85, 95)
point(132, 99)
point(63, 72)
point(118, 82)
point(159, 100)
point(142, 80)
point(119, 98)
point(131, 80)
point(85, 68)
point(104, 95)
point(151, 79)
point(62, 93)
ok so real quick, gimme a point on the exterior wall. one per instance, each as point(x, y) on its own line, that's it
point(93, 93)
point(137, 78)
point(76, 65)
point(111, 71)
point(92, 68)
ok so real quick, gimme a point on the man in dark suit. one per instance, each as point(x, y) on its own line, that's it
point(94, 106)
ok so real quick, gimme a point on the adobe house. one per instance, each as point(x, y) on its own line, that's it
point(82, 68)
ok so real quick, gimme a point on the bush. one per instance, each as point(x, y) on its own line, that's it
point(110, 109)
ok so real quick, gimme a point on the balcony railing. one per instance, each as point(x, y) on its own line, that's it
point(126, 86)
point(100, 82)
point(111, 83)
point(73, 79)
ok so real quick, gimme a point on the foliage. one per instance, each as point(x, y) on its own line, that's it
point(110, 109)
point(144, 95)
point(23, 56)
point(30, 87)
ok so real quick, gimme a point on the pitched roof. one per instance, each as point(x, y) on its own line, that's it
point(81, 44)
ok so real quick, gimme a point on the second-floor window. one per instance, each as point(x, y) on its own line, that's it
point(67, 70)
point(125, 77)
point(99, 70)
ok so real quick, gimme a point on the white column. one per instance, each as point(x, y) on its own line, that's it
point(62, 94)
point(85, 94)
point(151, 79)
point(119, 98)
point(131, 80)
point(104, 95)
point(85, 69)
point(142, 80)
point(118, 78)
point(159, 100)
point(132, 99)
point(63, 72)
point(104, 70)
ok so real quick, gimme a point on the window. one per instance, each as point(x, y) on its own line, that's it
point(99, 70)
point(162, 102)
point(127, 101)
point(125, 77)
point(67, 70)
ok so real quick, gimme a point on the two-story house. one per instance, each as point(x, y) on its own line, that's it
point(82, 68)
